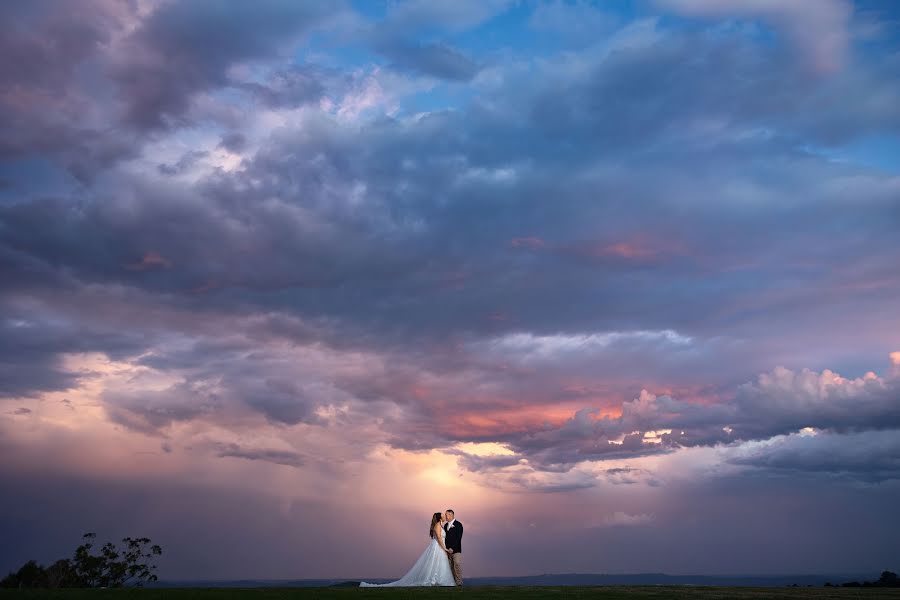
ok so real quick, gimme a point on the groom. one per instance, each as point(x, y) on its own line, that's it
point(453, 541)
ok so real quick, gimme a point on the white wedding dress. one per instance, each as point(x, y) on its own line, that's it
point(432, 568)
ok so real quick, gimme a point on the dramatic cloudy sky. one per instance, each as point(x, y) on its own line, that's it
point(617, 281)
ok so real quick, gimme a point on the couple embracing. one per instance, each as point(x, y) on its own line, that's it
point(441, 562)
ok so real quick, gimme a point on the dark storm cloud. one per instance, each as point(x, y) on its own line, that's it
point(291, 87)
point(187, 47)
point(222, 377)
point(32, 349)
point(435, 59)
point(149, 411)
point(76, 88)
point(49, 99)
point(281, 457)
point(413, 36)
point(872, 456)
point(481, 463)
point(233, 141)
point(407, 243)
point(447, 187)
point(629, 476)
point(187, 160)
point(281, 400)
point(549, 488)
point(43, 41)
point(107, 240)
point(690, 90)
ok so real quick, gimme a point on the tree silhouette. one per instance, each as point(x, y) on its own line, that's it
point(887, 579)
point(110, 568)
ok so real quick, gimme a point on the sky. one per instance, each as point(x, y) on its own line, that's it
point(616, 281)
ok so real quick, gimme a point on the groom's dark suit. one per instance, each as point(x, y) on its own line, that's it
point(453, 540)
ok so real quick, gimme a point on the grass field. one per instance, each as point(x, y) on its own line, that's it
point(612, 592)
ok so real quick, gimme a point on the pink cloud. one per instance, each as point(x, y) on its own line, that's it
point(640, 247)
point(148, 261)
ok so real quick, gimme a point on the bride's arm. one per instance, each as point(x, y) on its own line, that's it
point(437, 536)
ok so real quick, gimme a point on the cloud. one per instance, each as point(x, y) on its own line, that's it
point(50, 103)
point(335, 185)
point(622, 518)
point(33, 351)
point(577, 23)
point(453, 15)
point(186, 47)
point(783, 400)
point(281, 457)
point(629, 476)
point(434, 59)
point(526, 346)
point(151, 411)
point(869, 456)
point(187, 160)
point(413, 35)
point(116, 71)
point(233, 141)
point(485, 463)
point(820, 30)
point(291, 86)
point(778, 403)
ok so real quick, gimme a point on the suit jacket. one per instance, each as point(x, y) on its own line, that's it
point(453, 539)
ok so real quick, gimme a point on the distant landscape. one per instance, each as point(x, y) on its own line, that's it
point(563, 579)
point(129, 570)
point(612, 592)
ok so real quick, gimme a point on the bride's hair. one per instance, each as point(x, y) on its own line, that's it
point(435, 519)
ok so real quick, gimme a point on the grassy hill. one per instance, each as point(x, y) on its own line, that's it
point(613, 592)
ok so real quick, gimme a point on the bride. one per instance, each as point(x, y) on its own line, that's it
point(432, 567)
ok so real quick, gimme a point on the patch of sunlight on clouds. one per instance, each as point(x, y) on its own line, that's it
point(484, 449)
point(331, 412)
point(655, 437)
point(550, 345)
